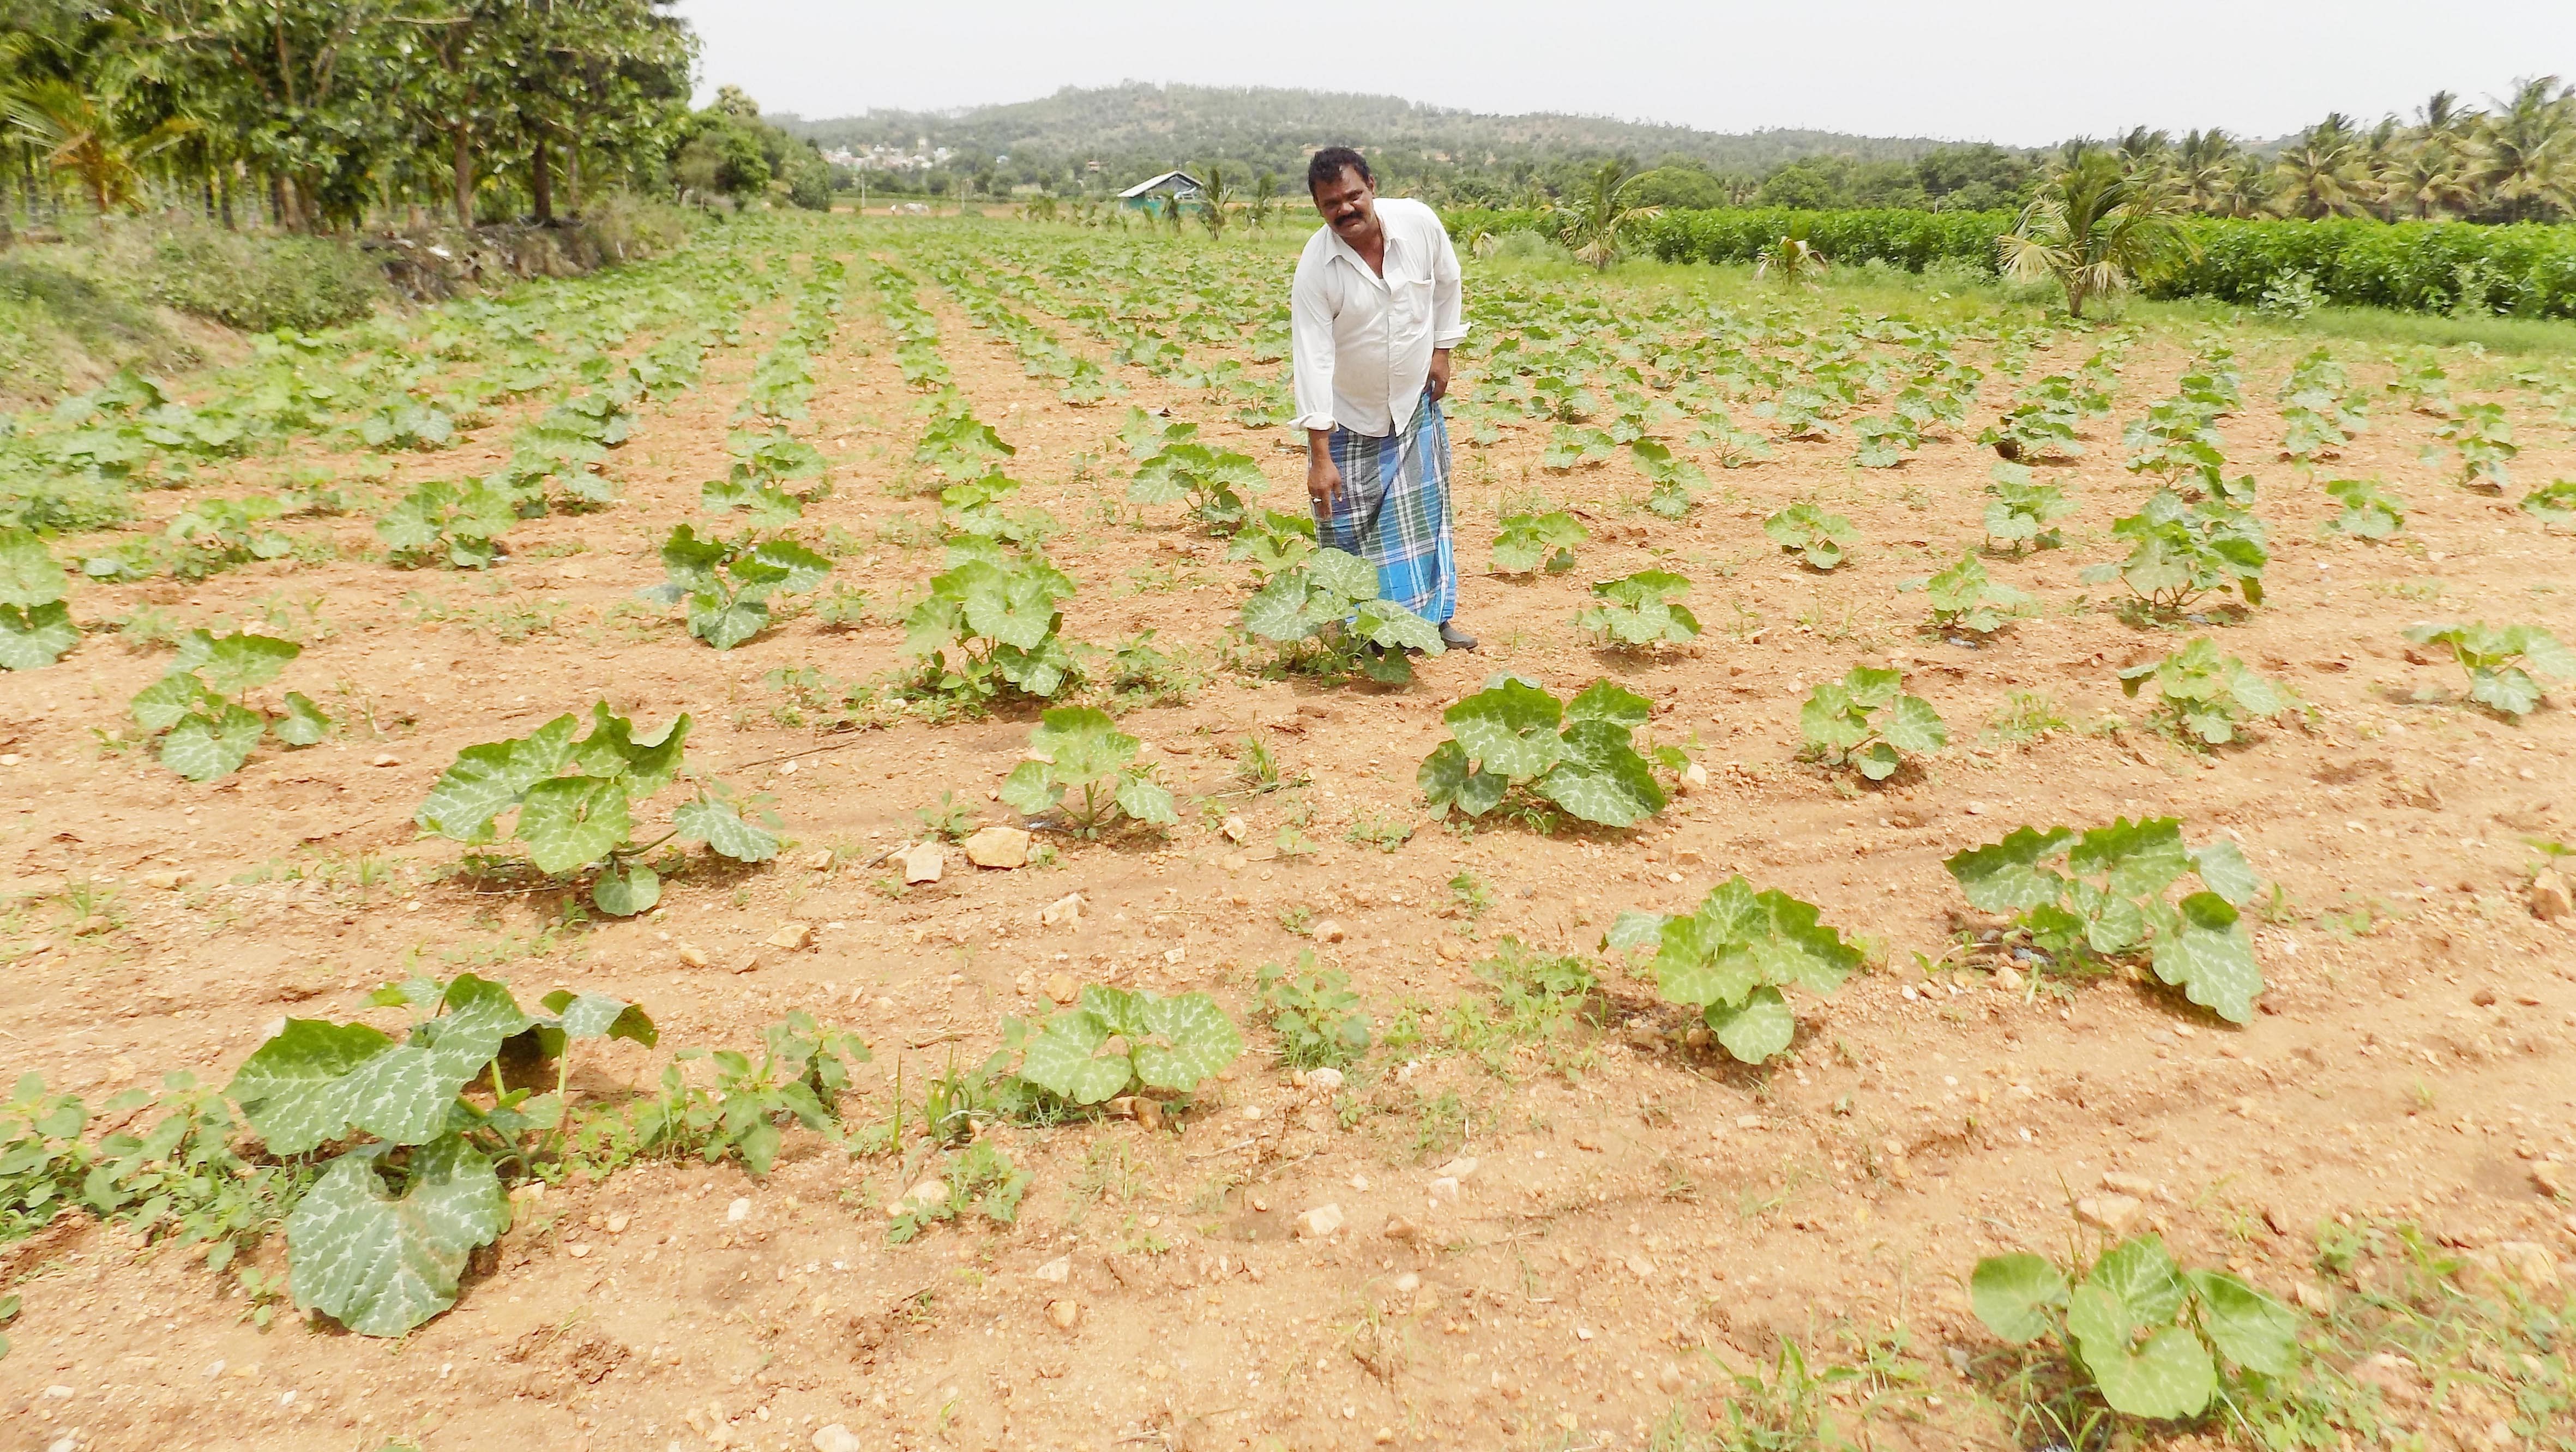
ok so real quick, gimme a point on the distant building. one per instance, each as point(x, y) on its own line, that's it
point(1180, 186)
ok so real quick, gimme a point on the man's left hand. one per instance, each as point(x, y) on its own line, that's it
point(1439, 375)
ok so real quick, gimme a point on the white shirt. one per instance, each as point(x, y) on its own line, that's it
point(1362, 343)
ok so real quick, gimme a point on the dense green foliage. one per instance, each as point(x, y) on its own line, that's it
point(2527, 270)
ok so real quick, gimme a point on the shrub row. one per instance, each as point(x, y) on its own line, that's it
point(2528, 270)
point(1902, 238)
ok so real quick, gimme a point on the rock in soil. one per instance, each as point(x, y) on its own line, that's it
point(923, 862)
point(998, 847)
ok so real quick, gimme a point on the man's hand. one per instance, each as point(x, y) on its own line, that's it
point(1323, 477)
point(1439, 375)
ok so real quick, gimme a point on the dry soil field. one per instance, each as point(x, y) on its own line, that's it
point(1543, 1208)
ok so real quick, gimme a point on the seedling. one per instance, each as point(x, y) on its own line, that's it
point(1316, 1016)
point(1113, 1042)
point(2020, 513)
point(1507, 745)
point(2146, 1333)
point(1965, 601)
point(2370, 511)
point(1325, 613)
point(1818, 538)
point(2179, 552)
point(989, 626)
point(2502, 661)
point(1082, 765)
point(202, 704)
point(727, 583)
point(1676, 482)
point(980, 1181)
point(1865, 721)
point(1734, 447)
point(35, 624)
point(2482, 438)
point(1173, 466)
point(1273, 542)
point(1537, 541)
point(2109, 903)
point(2203, 698)
point(1731, 958)
point(381, 1263)
point(1641, 610)
point(576, 800)
point(458, 525)
point(2553, 503)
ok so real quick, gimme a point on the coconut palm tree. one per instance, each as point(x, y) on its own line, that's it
point(2435, 173)
point(1216, 194)
point(80, 136)
point(2530, 143)
point(2203, 164)
point(2095, 229)
point(2325, 173)
point(1599, 220)
point(1792, 259)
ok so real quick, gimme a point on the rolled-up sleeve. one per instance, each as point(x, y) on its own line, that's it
point(1448, 294)
point(1310, 343)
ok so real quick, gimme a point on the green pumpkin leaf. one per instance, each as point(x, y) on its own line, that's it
point(203, 747)
point(720, 825)
point(1508, 729)
point(303, 724)
point(1198, 1041)
point(36, 636)
point(598, 1016)
point(2211, 958)
point(489, 779)
point(2014, 1295)
point(570, 822)
point(29, 574)
point(381, 1264)
point(1064, 1059)
point(2247, 1326)
point(294, 1087)
point(2009, 876)
point(624, 893)
point(1763, 1026)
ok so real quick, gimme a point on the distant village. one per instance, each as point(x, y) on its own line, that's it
point(922, 157)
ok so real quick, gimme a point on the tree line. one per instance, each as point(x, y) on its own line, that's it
point(2512, 160)
point(322, 114)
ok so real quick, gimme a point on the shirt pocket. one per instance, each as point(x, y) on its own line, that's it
point(1409, 304)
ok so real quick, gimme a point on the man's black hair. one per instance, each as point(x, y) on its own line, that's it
point(1328, 164)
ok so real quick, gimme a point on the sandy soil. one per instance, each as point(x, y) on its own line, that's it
point(1640, 1221)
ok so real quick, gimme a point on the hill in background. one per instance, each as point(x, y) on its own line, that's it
point(1105, 138)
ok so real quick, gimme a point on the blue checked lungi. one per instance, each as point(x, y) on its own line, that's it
point(1393, 511)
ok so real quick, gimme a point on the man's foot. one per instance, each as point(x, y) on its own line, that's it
point(1454, 638)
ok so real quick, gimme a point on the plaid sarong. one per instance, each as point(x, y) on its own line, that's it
point(1393, 511)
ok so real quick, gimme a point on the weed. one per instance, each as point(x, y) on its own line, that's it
point(1385, 833)
point(2027, 716)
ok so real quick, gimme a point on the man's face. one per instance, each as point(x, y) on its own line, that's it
point(1348, 204)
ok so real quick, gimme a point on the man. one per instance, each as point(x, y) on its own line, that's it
point(1374, 311)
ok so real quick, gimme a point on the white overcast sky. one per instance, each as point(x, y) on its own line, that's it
point(2017, 73)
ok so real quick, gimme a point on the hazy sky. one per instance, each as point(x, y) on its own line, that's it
point(1971, 69)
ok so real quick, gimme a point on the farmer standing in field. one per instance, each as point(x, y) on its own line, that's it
point(1375, 309)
